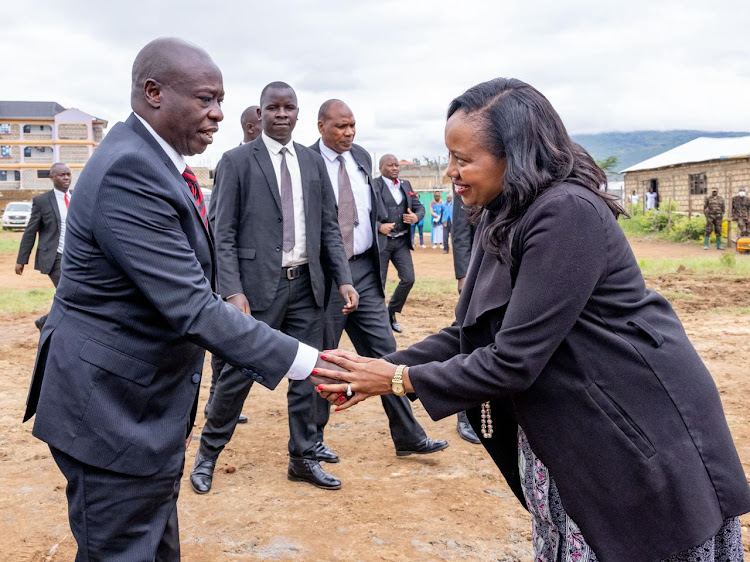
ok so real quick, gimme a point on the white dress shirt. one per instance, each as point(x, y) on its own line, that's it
point(60, 197)
point(360, 189)
point(395, 190)
point(298, 255)
point(304, 361)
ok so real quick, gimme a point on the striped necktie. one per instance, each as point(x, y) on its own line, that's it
point(195, 189)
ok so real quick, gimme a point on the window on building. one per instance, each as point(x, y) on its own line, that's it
point(4, 128)
point(42, 174)
point(5, 152)
point(27, 152)
point(3, 175)
point(27, 129)
point(698, 184)
point(17, 175)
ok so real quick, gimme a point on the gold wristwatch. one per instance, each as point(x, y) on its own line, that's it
point(397, 383)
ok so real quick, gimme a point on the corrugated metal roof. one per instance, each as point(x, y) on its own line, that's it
point(29, 109)
point(701, 149)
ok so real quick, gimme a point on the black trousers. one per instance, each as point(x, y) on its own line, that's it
point(54, 275)
point(120, 518)
point(447, 226)
point(370, 331)
point(398, 251)
point(295, 313)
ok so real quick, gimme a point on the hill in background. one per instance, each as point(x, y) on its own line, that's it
point(636, 146)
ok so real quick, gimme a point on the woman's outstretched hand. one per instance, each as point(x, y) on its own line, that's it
point(367, 377)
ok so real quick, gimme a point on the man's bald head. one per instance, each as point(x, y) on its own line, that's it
point(250, 121)
point(178, 90)
point(389, 166)
point(336, 125)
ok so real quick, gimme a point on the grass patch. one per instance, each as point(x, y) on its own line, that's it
point(9, 242)
point(724, 265)
point(731, 311)
point(428, 288)
point(23, 301)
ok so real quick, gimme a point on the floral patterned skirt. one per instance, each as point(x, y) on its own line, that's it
point(556, 537)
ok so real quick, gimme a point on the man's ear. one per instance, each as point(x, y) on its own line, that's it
point(152, 92)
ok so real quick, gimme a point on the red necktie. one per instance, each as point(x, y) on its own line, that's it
point(195, 189)
point(67, 201)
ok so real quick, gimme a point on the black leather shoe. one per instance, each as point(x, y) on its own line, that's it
point(39, 322)
point(241, 419)
point(394, 323)
point(203, 474)
point(424, 447)
point(323, 453)
point(305, 470)
point(465, 431)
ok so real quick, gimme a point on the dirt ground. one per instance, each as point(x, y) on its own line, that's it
point(452, 505)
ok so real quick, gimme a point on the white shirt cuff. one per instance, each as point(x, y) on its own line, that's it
point(304, 363)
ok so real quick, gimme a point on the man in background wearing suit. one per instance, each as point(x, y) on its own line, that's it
point(403, 209)
point(463, 240)
point(49, 212)
point(251, 128)
point(360, 211)
point(250, 121)
point(276, 233)
point(116, 380)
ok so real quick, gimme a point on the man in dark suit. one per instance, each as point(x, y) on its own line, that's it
point(360, 211)
point(276, 233)
point(49, 211)
point(116, 379)
point(250, 121)
point(251, 129)
point(403, 209)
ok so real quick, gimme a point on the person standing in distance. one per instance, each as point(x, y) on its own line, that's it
point(250, 130)
point(49, 211)
point(360, 213)
point(115, 394)
point(396, 243)
point(713, 209)
point(276, 234)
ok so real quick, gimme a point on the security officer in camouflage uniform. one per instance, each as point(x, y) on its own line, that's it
point(713, 208)
point(741, 211)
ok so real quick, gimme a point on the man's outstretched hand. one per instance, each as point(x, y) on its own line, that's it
point(316, 380)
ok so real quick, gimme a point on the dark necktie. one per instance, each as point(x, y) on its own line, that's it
point(287, 203)
point(347, 208)
point(195, 189)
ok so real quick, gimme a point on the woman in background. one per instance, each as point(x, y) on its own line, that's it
point(436, 212)
point(581, 382)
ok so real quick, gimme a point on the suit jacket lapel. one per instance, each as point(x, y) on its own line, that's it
point(53, 201)
point(263, 157)
point(305, 171)
point(138, 127)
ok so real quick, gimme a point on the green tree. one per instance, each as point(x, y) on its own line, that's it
point(608, 165)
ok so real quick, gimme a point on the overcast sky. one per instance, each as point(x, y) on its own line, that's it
point(605, 66)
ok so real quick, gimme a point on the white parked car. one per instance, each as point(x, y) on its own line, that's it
point(16, 215)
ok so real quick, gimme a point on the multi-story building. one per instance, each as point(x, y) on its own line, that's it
point(36, 134)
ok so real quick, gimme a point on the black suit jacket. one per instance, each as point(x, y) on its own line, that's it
point(412, 203)
point(377, 211)
point(44, 220)
point(249, 228)
point(121, 355)
point(599, 373)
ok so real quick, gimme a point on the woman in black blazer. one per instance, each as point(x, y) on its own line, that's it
point(581, 382)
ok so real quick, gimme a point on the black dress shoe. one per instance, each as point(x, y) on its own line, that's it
point(241, 419)
point(424, 447)
point(465, 431)
point(39, 322)
point(305, 470)
point(323, 453)
point(203, 474)
point(394, 323)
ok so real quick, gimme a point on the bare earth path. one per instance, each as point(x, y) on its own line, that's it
point(449, 506)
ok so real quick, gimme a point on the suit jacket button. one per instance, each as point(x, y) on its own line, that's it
point(278, 248)
point(280, 219)
point(196, 378)
point(259, 378)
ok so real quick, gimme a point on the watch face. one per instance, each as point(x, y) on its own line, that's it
point(398, 389)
